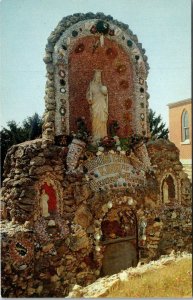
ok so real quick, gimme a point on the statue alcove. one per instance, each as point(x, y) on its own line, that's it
point(117, 75)
point(168, 190)
point(80, 50)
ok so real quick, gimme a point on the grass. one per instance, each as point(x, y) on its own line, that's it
point(172, 281)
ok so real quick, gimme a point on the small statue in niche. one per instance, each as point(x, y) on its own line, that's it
point(97, 97)
point(165, 193)
point(44, 203)
point(50, 191)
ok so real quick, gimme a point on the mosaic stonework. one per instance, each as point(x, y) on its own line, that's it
point(71, 245)
point(21, 252)
point(75, 150)
point(82, 48)
point(76, 207)
point(111, 171)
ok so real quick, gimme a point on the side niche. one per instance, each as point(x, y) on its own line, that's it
point(49, 197)
point(168, 189)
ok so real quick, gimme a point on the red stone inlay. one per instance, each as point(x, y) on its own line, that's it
point(111, 53)
point(79, 48)
point(121, 69)
point(81, 71)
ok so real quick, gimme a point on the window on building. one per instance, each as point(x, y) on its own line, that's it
point(185, 126)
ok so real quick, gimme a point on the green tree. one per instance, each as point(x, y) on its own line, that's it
point(158, 129)
point(30, 129)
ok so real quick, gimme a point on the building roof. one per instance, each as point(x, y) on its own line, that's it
point(180, 103)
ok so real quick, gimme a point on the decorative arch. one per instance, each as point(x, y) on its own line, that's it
point(66, 43)
point(120, 237)
point(125, 206)
point(49, 186)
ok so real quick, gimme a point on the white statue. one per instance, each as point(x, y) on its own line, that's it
point(44, 204)
point(165, 192)
point(97, 97)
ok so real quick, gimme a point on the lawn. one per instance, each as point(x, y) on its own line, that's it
point(172, 280)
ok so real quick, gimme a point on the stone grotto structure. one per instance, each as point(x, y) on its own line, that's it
point(94, 195)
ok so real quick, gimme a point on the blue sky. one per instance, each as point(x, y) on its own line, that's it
point(162, 26)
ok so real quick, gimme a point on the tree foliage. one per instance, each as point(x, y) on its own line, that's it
point(158, 129)
point(30, 129)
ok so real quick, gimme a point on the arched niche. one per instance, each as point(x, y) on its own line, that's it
point(49, 197)
point(117, 75)
point(75, 48)
point(168, 189)
point(120, 238)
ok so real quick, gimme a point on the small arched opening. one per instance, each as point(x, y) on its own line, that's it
point(119, 229)
point(168, 190)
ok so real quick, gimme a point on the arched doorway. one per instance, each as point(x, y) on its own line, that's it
point(119, 229)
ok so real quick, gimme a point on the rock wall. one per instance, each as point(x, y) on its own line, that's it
point(79, 44)
point(27, 165)
point(48, 249)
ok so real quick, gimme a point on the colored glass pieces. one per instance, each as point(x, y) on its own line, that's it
point(102, 27)
point(141, 81)
point(111, 32)
point(64, 47)
point(129, 43)
point(63, 101)
point(93, 29)
point(62, 90)
point(62, 82)
point(142, 90)
point(21, 249)
point(61, 73)
point(62, 111)
point(142, 117)
point(142, 105)
point(74, 33)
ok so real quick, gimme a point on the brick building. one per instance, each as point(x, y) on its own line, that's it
point(180, 126)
